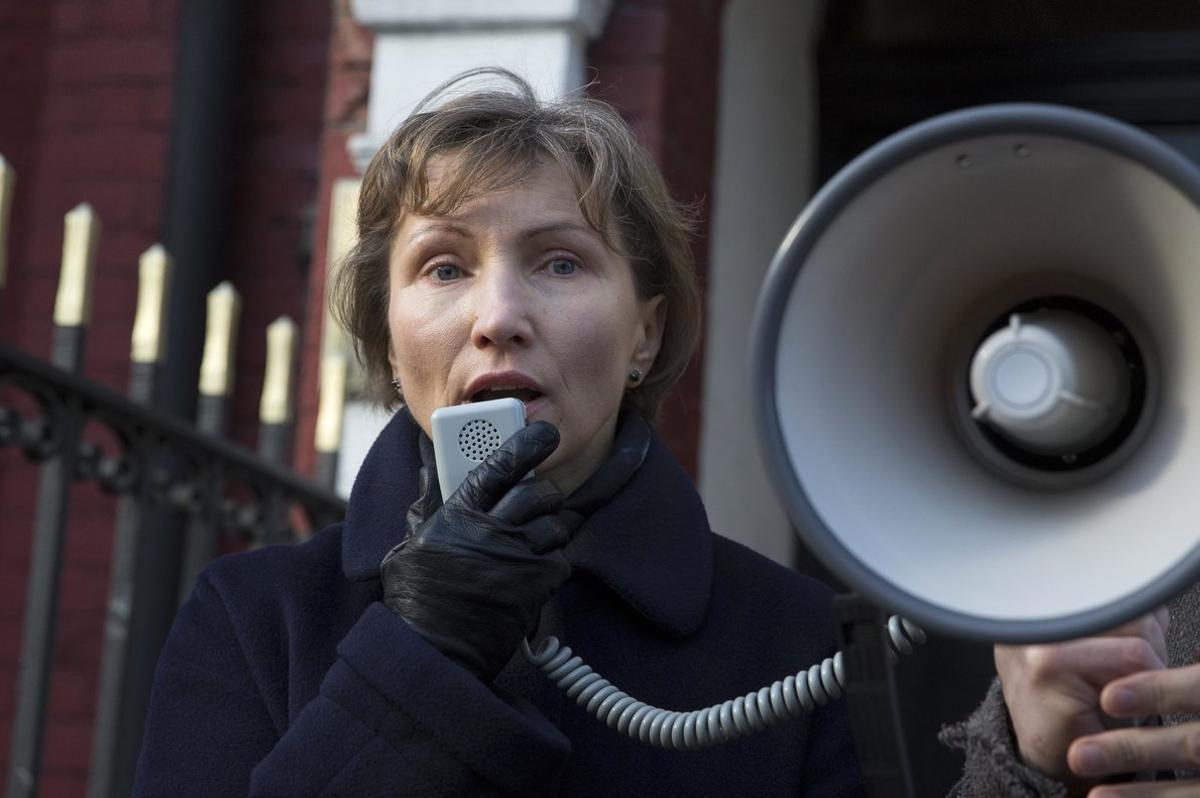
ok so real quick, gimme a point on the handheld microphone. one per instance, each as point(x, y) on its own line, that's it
point(466, 435)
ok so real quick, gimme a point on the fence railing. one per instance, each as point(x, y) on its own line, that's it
point(180, 487)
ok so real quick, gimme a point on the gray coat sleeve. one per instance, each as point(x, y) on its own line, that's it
point(992, 766)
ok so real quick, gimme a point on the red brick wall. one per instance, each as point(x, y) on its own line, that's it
point(657, 63)
point(275, 181)
point(689, 126)
point(24, 28)
point(87, 91)
point(92, 124)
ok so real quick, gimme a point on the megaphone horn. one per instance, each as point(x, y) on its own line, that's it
point(973, 354)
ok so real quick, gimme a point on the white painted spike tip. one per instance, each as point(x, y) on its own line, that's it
point(333, 401)
point(8, 184)
point(220, 336)
point(276, 404)
point(149, 324)
point(81, 235)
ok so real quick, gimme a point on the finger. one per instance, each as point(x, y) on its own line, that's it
point(1163, 615)
point(529, 499)
point(1146, 789)
point(1165, 692)
point(1152, 627)
point(1094, 661)
point(544, 534)
point(534, 545)
point(429, 499)
point(429, 489)
point(426, 448)
point(1133, 750)
point(506, 466)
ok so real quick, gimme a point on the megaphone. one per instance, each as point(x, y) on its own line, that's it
point(973, 355)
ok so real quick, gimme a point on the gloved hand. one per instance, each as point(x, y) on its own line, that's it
point(471, 577)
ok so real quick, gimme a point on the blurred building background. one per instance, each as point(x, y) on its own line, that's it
point(235, 132)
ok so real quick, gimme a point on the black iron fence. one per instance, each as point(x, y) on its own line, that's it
point(180, 488)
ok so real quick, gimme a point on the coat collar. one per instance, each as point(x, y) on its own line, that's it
point(650, 544)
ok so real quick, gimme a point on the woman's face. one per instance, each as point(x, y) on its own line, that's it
point(513, 294)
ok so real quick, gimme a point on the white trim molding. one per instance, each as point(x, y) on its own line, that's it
point(419, 44)
point(408, 15)
point(763, 177)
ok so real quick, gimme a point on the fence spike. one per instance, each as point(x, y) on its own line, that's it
point(275, 432)
point(149, 324)
point(220, 337)
point(81, 236)
point(141, 569)
point(330, 415)
point(343, 235)
point(8, 184)
point(71, 314)
point(275, 407)
point(333, 401)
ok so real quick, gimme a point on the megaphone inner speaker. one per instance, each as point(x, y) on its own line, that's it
point(878, 300)
point(1063, 422)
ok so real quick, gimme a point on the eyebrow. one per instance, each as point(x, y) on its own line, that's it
point(558, 227)
point(440, 227)
point(533, 232)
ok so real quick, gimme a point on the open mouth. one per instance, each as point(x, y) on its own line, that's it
point(522, 394)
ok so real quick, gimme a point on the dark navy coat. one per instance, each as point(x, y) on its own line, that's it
point(284, 675)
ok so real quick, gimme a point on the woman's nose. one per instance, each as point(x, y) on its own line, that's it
point(501, 309)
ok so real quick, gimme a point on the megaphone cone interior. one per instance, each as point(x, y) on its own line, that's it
point(872, 314)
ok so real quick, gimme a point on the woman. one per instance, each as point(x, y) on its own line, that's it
point(1113, 716)
point(507, 248)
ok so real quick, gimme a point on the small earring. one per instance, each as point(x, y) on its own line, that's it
point(396, 386)
point(635, 376)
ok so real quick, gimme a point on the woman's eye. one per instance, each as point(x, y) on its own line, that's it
point(447, 272)
point(562, 267)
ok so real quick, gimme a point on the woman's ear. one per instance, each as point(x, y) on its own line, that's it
point(652, 322)
point(392, 359)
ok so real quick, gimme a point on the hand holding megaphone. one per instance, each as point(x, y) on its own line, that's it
point(1053, 694)
point(1164, 692)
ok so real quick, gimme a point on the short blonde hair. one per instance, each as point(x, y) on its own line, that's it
point(497, 136)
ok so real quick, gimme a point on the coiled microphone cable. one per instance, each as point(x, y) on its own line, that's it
point(720, 723)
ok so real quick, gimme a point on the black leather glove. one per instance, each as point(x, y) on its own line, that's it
point(473, 574)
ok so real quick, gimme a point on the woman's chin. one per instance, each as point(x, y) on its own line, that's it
point(550, 468)
point(567, 473)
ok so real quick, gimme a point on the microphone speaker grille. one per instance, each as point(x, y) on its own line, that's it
point(478, 438)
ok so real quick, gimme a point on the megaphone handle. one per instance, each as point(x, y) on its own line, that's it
point(870, 691)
